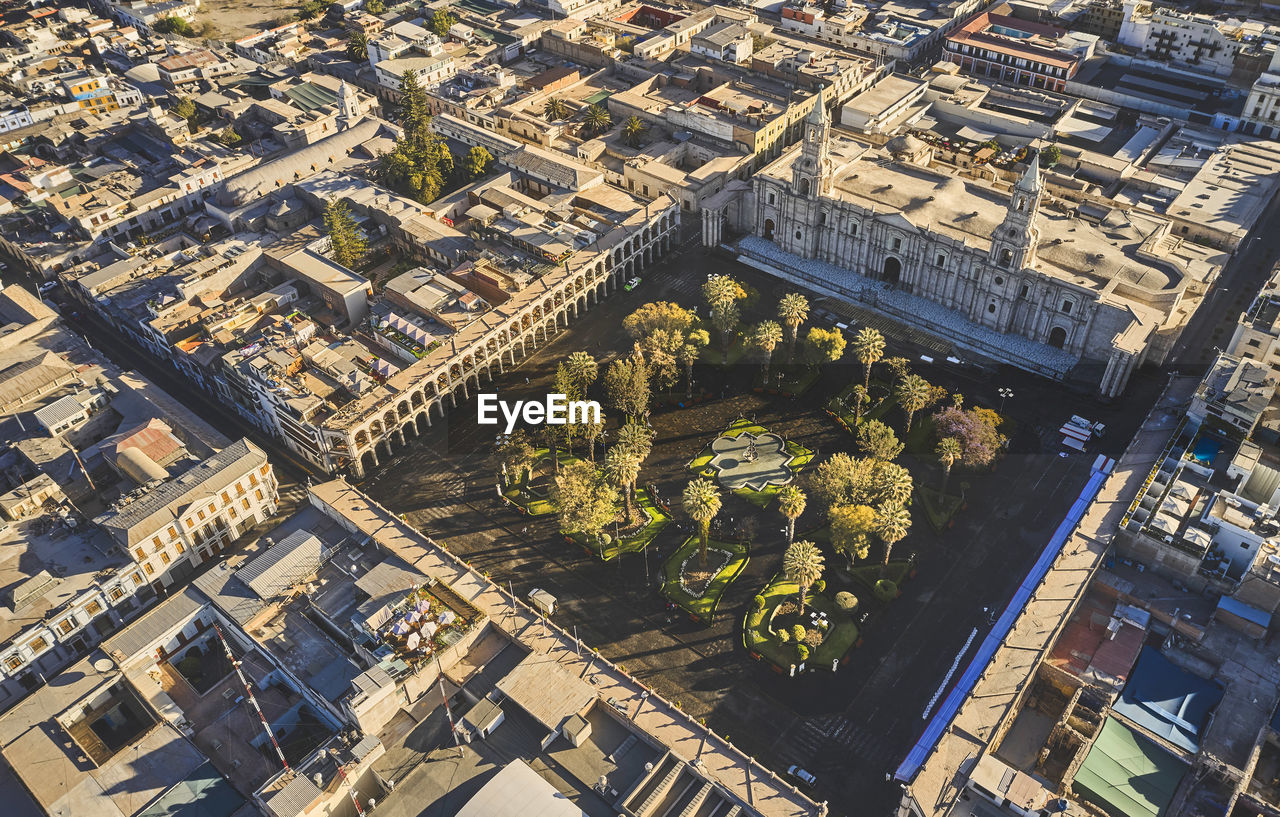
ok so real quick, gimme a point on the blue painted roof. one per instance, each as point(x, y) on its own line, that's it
point(1247, 612)
point(1168, 701)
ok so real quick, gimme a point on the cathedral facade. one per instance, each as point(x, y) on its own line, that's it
point(1023, 286)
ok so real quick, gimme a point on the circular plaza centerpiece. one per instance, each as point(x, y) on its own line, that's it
point(752, 461)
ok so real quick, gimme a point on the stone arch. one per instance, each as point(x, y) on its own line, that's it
point(1057, 337)
point(403, 408)
point(362, 438)
point(368, 461)
point(892, 270)
point(416, 399)
point(423, 421)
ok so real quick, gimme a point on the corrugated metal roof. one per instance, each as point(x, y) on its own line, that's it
point(283, 565)
point(204, 793)
point(297, 795)
point(140, 635)
point(59, 411)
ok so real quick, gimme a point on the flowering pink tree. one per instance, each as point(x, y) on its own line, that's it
point(977, 430)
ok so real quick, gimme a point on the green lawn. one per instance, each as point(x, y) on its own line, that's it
point(636, 542)
point(800, 457)
point(920, 440)
point(939, 508)
point(702, 607)
point(760, 642)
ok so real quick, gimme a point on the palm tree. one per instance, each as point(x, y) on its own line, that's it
point(868, 347)
point(793, 309)
point(791, 502)
point(893, 521)
point(720, 291)
point(688, 356)
point(802, 564)
point(767, 337)
point(948, 452)
point(633, 130)
point(555, 109)
point(893, 483)
point(702, 503)
point(597, 119)
point(859, 397)
point(913, 395)
point(583, 370)
point(622, 468)
point(635, 438)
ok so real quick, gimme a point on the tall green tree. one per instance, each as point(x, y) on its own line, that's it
point(345, 237)
point(852, 529)
point(843, 479)
point(583, 370)
point(949, 452)
point(803, 563)
point(591, 432)
point(688, 356)
point(585, 501)
point(622, 469)
point(555, 108)
point(659, 315)
point(913, 393)
point(375, 6)
point(824, 345)
point(635, 438)
point(626, 384)
point(725, 319)
point(877, 440)
point(868, 348)
point(477, 162)
point(860, 397)
point(597, 119)
point(892, 483)
point(792, 310)
point(441, 21)
point(633, 131)
point(892, 523)
point(415, 111)
point(517, 454)
point(899, 367)
point(357, 46)
point(702, 502)
point(563, 383)
point(766, 338)
point(791, 503)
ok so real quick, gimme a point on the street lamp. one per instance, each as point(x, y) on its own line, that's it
point(1005, 394)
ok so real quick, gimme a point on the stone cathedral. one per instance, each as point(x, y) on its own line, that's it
point(1040, 284)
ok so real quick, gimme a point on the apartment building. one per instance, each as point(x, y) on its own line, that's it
point(1018, 52)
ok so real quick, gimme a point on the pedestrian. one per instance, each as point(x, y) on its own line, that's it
point(526, 380)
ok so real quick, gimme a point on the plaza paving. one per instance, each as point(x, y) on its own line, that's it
point(851, 728)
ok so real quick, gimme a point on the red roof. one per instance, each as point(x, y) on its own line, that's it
point(1041, 46)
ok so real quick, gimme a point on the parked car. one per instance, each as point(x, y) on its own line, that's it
point(47, 287)
point(803, 776)
point(632, 284)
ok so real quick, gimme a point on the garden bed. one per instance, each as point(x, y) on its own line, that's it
point(656, 518)
point(898, 571)
point(533, 495)
point(761, 641)
point(939, 508)
point(879, 403)
point(683, 590)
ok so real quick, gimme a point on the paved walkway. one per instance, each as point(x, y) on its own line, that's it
point(721, 762)
point(998, 692)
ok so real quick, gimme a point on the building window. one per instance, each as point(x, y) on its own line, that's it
point(772, 198)
point(212, 508)
point(798, 235)
point(116, 594)
point(991, 308)
point(155, 540)
point(164, 557)
point(1066, 307)
point(1255, 343)
point(853, 229)
point(200, 514)
point(942, 260)
point(190, 524)
point(226, 498)
point(1006, 258)
point(253, 479)
point(179, 546)
point(13, 663)
point(66, 626)
point(173, 532)
point(38, 644)
point(151, 571)
point(258, 494)
point(137, 579)
point(897, 243)
point(140, 553)
point(999, 280)
point(245, 503)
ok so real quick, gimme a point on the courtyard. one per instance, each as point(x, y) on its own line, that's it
point(860, 719)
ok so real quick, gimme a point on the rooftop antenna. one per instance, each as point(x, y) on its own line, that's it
point(248, 690)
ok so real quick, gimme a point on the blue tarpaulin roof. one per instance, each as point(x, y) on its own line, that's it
point(1168, 701)
point(945, 713)
point(1245, 611)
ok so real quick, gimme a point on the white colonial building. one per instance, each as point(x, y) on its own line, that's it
point(996, 271)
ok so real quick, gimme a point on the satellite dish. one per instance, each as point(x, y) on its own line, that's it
point(104, 665)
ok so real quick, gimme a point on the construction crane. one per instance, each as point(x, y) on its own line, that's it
point(248, 690)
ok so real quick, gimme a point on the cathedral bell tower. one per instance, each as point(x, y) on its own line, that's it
point(1014, 244)
point(348, 107)
point(811, 172)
